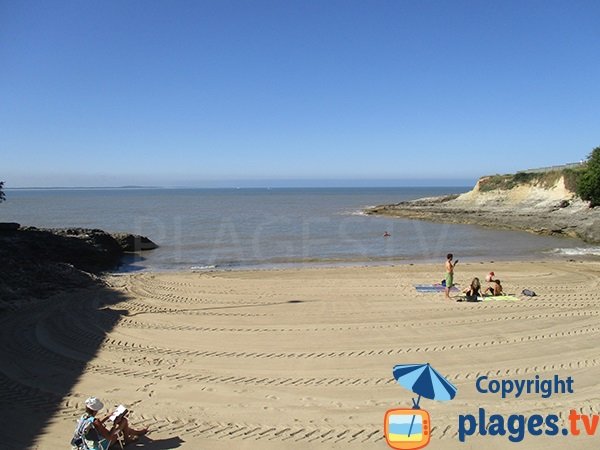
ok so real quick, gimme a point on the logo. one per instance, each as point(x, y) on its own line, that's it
point(407, 429)
point(410, 428)
point(515, 426)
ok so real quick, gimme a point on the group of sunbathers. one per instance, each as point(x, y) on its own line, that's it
point(474, 291)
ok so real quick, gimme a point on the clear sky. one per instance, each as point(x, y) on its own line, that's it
point(201, 93)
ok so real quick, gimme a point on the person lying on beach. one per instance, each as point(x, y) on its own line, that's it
point(91, 432)
point(473, 291)
point(495, 289)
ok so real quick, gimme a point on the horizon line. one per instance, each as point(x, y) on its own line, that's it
point(42, 188)
point(257, 183)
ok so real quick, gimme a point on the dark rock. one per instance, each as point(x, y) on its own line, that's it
point(9, 226)
point(133, 242)
point(37, 263)
point(90, 250)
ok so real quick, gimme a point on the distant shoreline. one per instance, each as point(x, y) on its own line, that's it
point(275, 186)
point(81, 188)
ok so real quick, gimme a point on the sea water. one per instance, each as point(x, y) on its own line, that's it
point(204, 229)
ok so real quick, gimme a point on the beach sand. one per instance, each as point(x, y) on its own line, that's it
point(303, 358)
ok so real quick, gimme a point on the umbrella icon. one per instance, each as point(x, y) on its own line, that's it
point(425, 381)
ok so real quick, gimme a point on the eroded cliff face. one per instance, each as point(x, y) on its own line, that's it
point(539, 204)
point(524, 194)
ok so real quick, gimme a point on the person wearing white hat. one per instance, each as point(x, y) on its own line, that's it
point(91, 434)
point(94, 404)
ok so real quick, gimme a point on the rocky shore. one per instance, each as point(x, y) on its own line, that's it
point(547, 210)
point(37, 263)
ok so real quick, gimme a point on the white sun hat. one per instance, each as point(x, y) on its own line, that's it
point(94, 404)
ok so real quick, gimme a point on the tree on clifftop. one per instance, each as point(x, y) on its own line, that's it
point(2, 196)
point(588, 187)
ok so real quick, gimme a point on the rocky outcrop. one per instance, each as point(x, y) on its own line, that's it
point(88, 250)
point(37, 263)
point(542, 208)
point(133, 243)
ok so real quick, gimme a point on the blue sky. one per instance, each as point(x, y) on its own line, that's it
point(201, 93)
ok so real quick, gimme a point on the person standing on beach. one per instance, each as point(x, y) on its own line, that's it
point(449, 274)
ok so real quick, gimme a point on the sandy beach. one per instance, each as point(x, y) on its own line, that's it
point(232, 219)
point(299, 358)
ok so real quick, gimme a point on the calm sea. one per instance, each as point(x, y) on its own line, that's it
point(263, 228)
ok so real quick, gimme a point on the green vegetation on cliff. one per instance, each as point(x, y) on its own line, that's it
point(545, 179)
point(588, 187)
point(582, 179)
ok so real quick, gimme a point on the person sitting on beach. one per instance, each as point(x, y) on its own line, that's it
point(495, 289)
point(473, 291)
point(490, 277)
point(92, 434)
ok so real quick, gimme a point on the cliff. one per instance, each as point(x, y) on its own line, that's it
point(543, 203)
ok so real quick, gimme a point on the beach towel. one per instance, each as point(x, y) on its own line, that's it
point(501, 298)
point(427, 288)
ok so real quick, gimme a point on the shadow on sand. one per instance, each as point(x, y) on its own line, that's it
point(147, 443)
point(45, 347)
